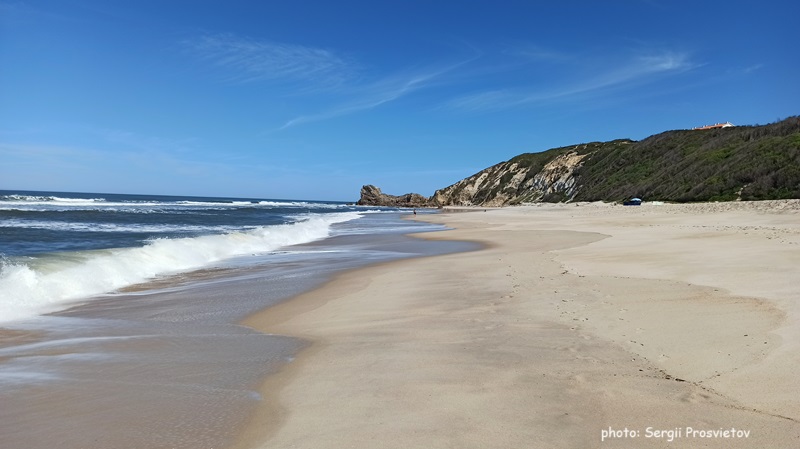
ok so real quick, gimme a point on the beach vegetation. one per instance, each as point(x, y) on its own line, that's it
point(748, 162)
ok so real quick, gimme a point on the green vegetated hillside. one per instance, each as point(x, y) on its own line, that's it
point(747, 162)
point(743, 162)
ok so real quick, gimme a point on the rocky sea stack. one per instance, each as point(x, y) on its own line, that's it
point(372, 196)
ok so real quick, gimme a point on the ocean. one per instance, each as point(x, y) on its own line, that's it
point(119, 313)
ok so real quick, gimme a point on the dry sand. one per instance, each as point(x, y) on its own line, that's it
point(572, 321)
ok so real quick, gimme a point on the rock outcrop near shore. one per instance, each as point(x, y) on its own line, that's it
point(726, 164)
point(372, 196)
point(523, 179)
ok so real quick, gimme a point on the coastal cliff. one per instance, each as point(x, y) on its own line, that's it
point(719, 164)
point(533, 177)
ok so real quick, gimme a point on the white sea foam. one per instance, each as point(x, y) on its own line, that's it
point(27, 290)
point(53, 203)
point(306, 204)
point(45, 199)
point(115, 227)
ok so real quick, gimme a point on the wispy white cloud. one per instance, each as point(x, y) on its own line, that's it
point(668, 61)
point(493, 99)
point(9, 7)
point(633, 72)
point(334, 85)
point(531, 52)
point(639, 70)
point(753, 68)
point(745, 70)
point(247, 60)
point(377, 93)
point(23, 12)
point(139, 143)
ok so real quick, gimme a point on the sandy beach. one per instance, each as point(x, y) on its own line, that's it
point(576, 326)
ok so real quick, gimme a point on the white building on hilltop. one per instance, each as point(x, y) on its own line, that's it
point(715, 126)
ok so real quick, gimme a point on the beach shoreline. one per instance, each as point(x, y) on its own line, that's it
point(164, 363)
point(550, 335)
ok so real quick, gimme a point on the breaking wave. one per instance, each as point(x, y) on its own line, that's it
point(29, 288)
point(45, 203)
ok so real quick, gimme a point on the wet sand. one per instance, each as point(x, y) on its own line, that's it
point(576, 326)
point(166, 364)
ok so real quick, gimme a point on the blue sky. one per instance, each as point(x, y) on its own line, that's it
point(312, 99)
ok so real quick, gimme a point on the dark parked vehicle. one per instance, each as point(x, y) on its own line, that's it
point(632, 202)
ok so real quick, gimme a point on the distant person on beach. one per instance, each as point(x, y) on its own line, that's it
point(415, 212)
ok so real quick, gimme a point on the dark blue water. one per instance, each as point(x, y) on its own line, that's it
point(57, 247)
point(43, 222)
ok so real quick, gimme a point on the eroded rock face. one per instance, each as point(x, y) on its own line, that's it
point(510, 183)
point(558, 176)
point(372, 196)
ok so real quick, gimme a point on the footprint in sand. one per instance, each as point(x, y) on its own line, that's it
point(695, 396)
